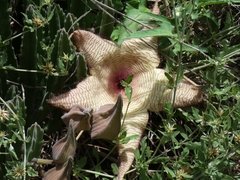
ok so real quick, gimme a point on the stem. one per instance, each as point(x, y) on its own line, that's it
point(44, 161)
point(198, 68)
point(28, 71)
point(179, 57)
point(98, 173)
point(79, 135)
point(107, 155)
point(114, 10)
point(24, 152)
point(124, 117)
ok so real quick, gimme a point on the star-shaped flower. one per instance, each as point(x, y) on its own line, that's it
point(109, 64)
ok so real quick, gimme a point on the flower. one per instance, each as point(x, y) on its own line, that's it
point(3, 115)
point(109, 65)
point(48, 68)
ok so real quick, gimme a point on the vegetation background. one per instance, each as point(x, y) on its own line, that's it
point(36, 59)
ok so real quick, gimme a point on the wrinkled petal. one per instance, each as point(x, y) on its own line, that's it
point(60, 172)
point(94, 48)
point(106, 122)
point(134, 125)
point(80, 117)
point(90, 93)
point(186, 94)
point(65, 147)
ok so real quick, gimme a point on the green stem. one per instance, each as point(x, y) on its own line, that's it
point(107, 155)
point(234, 28)
point(28, 71)
point(179, 57)
point(125, 114)
point(24, 152)
point(198, 68)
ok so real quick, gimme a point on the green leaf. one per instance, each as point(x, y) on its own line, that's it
point(3, 58)
point(129, 138)
point(137, 155)
point(159, 159)
point(129, 79)
point(33, 147)
point(170, 79)
point(95, 154)
point(97, 169)
point(31, 172)
point(128, 92)
point(128, 88)
point(12, 152)
point(82, 162)
point(17, 135)
point(180, 73)
point(114, 168)
point(169, 172)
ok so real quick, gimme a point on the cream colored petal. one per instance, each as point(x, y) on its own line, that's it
point(89, 93)
point(95, 49)
point(187, 95)
point(151, 91)
point(135, 125)
point(142, 85)
point(161, 93)
point(144, 51)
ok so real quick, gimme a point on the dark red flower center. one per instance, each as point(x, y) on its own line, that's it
point(115, 81)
